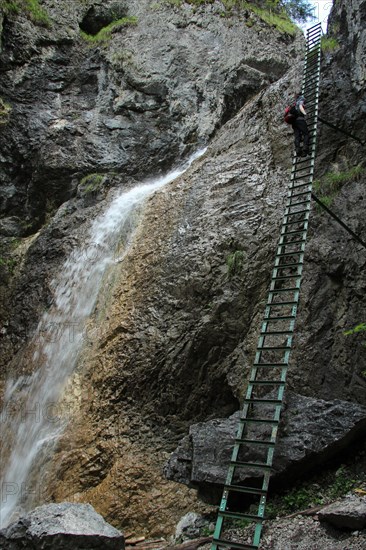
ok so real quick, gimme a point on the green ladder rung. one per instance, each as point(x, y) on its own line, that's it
point(301, 160)
point(270, 365)
point(267, 382)
point(295, 232)
point(300, 185)
point(279, 304)
point(255, 465)
point(236, 545)
point(273, 348)
point(280, 318)
point(260, 421)
point(239, 515)
point(294, 178)
point(276, 332)
point(258, 401)
point(290, 243)
point(246, 490)
point(255, 442)
point(312, 81)
point(281, 290)
point(306, 201)
point(301, 220)
point(284, 254)
point(289, 214)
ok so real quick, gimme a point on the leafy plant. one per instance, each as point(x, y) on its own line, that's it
point(235, 262)
point(206, 531)
point(343, 482)
point(355, 330)
point(329, 44)
point(91, 183)
point(5, 110)
point(323, 490)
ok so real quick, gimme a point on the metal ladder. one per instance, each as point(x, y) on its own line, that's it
point(254, 446)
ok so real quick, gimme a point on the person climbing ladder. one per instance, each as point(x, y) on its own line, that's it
point(300, 127)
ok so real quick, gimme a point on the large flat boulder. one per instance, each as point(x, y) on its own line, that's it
point(348, 513)
point(312, 431)
point(64, 526)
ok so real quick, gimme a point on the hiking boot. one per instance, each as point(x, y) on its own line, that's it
point(305, 153)
point(298, 152)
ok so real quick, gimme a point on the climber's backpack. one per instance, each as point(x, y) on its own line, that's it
point(290, 113)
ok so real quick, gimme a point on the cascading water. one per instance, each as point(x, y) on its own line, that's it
point(29, 419)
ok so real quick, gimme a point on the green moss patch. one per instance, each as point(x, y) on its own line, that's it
point(329, 44)
point(30, 8)
point(105, 33)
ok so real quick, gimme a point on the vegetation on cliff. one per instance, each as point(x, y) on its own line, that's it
point(30, 7)
point(279, 14)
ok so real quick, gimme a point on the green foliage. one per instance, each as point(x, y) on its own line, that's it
point(343, 483)
point(329, 44)
point(5, 110)
point(91, 183)
point(278, 19)
point(8, 261)
point(106, 32)
point(206, 531)
point(355, 330)
point(298, 10)
point(358, 328)
point(329, 186)
point(325, 489)
point(30, 8)
point(235, 262)
point(276, 13)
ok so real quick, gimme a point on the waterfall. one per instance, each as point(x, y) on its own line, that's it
point(30, 420)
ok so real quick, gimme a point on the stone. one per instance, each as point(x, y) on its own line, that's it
point(312, 431)
point(347, 513)
point(64, 526)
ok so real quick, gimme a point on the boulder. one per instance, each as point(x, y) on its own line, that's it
point(312, 431)
point(64, 526)
point(348, 513)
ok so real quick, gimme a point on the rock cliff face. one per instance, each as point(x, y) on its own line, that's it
point(176, 323)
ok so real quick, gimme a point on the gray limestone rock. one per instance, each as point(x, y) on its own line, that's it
point(348, 513)
point(63, 526)
point(311, 432)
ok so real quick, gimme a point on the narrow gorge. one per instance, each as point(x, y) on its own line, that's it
point(144, 168)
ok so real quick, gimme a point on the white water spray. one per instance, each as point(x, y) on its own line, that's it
point(30, 418)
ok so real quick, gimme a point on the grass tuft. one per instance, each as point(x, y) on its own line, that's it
point(30, 8)
point(329, 44)
point(5, 110)
point(106, 32)
point(329, 185)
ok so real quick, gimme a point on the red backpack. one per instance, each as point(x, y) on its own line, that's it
point(290, 113)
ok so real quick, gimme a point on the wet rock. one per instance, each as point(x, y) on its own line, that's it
point(63, 526)
point(347, 513)
point(65, 93)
